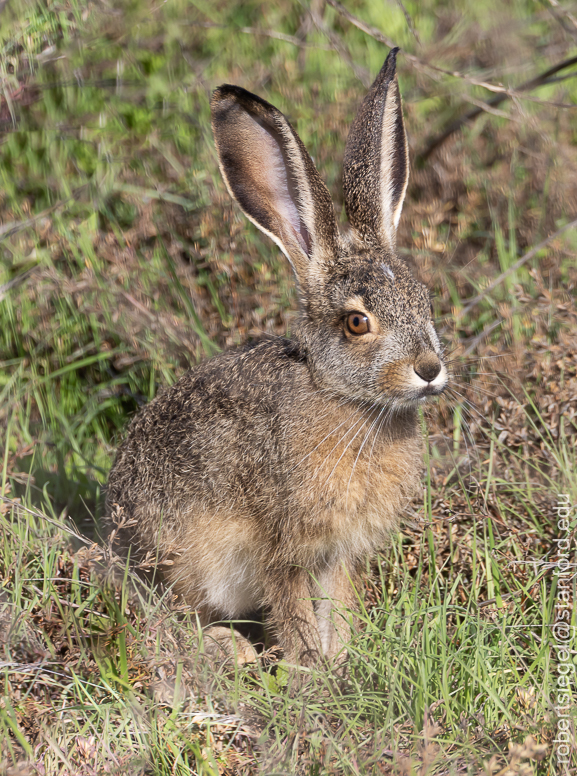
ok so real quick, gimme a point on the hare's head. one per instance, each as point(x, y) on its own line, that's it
point(366, 322)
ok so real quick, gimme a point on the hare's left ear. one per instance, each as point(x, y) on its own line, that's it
point(376, 163)
point(268, 171)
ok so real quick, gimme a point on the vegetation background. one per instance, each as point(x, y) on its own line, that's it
point(124, 262)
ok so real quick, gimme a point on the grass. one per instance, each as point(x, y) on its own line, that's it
point(123, 263)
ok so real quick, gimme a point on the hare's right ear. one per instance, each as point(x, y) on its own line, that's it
point(268, 171)
point(376, 163)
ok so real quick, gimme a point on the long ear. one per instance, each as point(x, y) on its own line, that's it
point(270, 174)
point(376, 163)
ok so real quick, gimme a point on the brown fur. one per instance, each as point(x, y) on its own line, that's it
point(265, 476)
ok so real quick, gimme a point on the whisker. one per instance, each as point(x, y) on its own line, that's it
point(376, 434)
point(347, 446)
point(466, 403)
point(477, 388)
point(356, 409)
point(467, 437)
point(461, 358)
point(367, 435)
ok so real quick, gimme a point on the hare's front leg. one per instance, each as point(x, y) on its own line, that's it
point(292, 616)
point(337, 601)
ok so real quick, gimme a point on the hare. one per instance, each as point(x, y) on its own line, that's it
point(266, 475)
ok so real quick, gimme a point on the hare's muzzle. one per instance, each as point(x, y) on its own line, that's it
point(428, 367)
point(429, 374)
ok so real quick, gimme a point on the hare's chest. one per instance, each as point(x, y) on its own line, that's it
point(362, 495)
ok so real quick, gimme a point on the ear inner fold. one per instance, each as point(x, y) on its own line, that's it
point(272, 177)
point(376, 162)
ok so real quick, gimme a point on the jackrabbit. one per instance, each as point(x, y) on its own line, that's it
point(265, 476)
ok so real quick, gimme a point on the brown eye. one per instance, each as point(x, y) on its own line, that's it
point(357, 323)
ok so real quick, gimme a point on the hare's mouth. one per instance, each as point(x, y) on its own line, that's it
point(415, 398)
point(406, 385)
point(418, 384)
point(432, 390)
point(417, 390)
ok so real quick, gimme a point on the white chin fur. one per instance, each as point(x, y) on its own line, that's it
point(417, 382)
point(441, 379)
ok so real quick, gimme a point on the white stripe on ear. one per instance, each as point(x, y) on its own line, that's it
point(376, 164)
point(393, 194)
point(389, 221)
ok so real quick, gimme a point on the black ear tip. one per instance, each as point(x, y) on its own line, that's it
point(387, 73)
point(219, 95)
point(390, 66)
point(229, 90)
point(230, 95)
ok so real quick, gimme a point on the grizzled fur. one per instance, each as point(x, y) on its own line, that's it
point(265, 476)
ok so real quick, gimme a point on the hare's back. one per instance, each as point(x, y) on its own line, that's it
point(216, 433)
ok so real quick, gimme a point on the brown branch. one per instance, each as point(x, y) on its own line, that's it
point(502, 93)
point(560, 15)
point(15, 282)
point(12, 228)
point(295, 41)
point(410, 25)
point(540, 80)
point(417, 62)
point(340, 47)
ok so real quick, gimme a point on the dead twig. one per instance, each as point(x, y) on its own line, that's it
point(561, 14)
point(337, 44)
point(501, 92)
point(408, 19)
point(12, 228)
point(420, 64)
point(417, 62)
point(13, 503)
point(292, 39)
point(543, 78)
point(472, 345)
point(15, 282)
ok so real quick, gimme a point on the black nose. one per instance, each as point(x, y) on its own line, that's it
point(427, 367)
